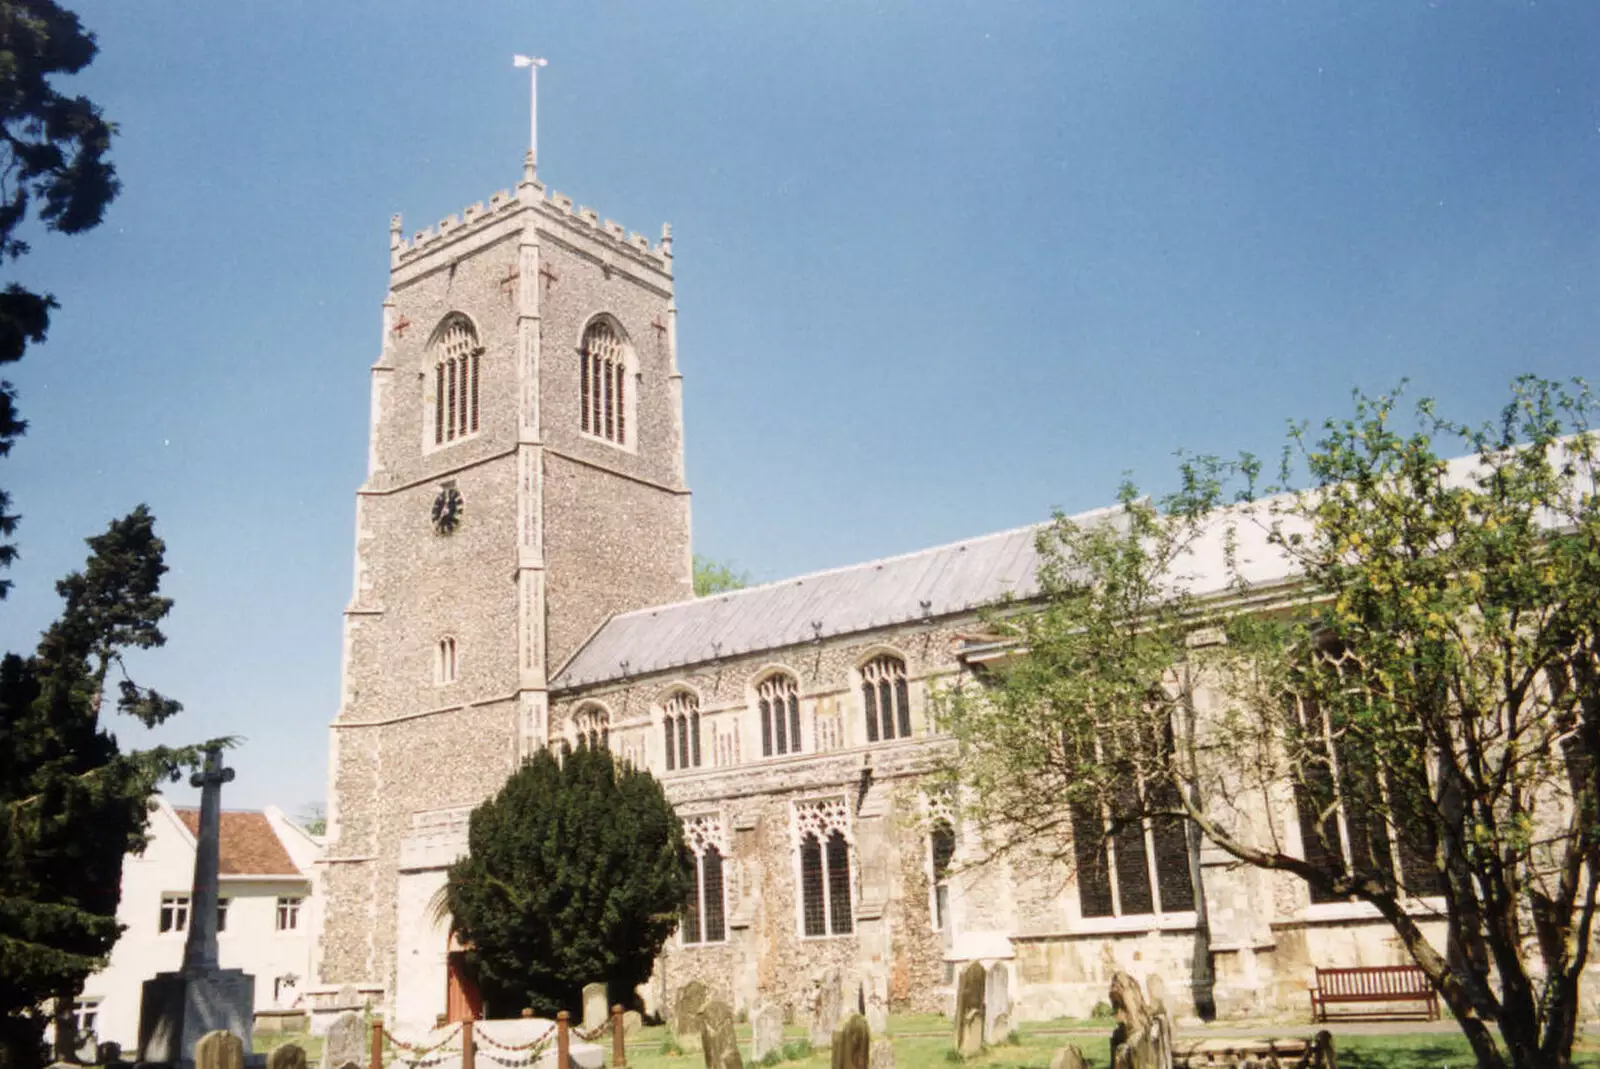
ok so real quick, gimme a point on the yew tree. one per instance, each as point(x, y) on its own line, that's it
point(575, 874)
point(1406, 715)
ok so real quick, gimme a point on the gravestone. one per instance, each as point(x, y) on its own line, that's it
point(969, 1010)
point(346, 1041)
point(1069, 1057)
point(288, 1056)
point(687, 1010)
point(766, 1030)
point(852, 1044)
point(882, 1054)
point(718, 1042)
point(108, 1054)
point(632, 1021)
point(825, 1004)
point(1160, 1020)
point(595, 1009)
point(997, 1004)
point(219, 1050)
point(177, 1008)
point(1136, 1043)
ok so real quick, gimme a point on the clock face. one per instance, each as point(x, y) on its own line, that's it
point(447, 510)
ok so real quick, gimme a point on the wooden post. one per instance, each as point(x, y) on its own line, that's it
point(619, 1055)
point(377, 1043)
point(563, 1057)
point(469, 1050)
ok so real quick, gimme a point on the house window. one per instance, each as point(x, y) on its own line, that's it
point(779, 699)
point(1337, 764)
point(222, 914)
point(289, 914)
point(680, 726)
point(174, 913)
point(603, 376)
point(592, 726)
point(455, 381)
point(86, 1015)
point(885, 699)
point(941, 848)
point(704, 913)
point(1127, 865)
point(445, 663)
point(826, 905)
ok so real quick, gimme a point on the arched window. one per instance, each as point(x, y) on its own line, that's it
point(680, 725)
point(444, 661)
point(704, 912)
point(455, 381)
point(603, 376)
point(826, 906)
point(778, 697)
point(885, 698)
point(592, 727)
point(942, 848)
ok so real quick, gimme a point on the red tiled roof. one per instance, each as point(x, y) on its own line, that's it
point(249, 846)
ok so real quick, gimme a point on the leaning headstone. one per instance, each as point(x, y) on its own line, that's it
point(825, 1005)
point(852, 1044)
point(288, 1056)
point(969, 1010)
point(766, 1030)
point(1136, 1041)
point(717, 1040)
point(632, 1021)
point(1069, 1057)
point(595, 1009)
point(997, 1004)
point(219, 1050)
point(882, 1056)
point(345, 1042)
point(1160, 1020)
point(687, 1009)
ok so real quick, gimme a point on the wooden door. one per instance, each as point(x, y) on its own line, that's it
point(462, 1000)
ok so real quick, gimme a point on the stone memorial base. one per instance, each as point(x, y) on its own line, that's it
point(178, 1008)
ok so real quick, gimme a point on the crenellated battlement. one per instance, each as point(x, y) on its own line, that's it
point(530, 193)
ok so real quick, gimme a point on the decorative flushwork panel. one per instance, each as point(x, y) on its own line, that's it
point(703, 830)
point(821, 817)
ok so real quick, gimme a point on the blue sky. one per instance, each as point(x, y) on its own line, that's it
point(941, 267)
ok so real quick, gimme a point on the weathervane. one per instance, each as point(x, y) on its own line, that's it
point(533, 63)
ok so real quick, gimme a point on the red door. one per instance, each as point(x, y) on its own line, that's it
point(462, 1001)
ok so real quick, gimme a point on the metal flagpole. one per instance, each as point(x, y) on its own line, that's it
point(533, 63)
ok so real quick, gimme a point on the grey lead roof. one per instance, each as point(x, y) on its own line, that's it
point(934, 582)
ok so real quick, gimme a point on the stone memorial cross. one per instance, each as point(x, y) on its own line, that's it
point(200, 950)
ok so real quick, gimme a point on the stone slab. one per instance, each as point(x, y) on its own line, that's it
point(176, 1009)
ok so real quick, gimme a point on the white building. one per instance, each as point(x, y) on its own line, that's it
point(269, 910)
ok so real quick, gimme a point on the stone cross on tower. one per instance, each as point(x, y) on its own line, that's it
point(200, 950)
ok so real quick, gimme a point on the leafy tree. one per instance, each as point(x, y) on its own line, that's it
point(716, 577)
point(576, 873)
point(313, 817)
point(71, 802)
point(53, 166)
point(1430, 677)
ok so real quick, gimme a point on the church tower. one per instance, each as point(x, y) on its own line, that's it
point(525, 482)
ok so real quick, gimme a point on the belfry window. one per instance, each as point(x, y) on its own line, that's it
point(603, 377)
point(455, 381)
point(705, 911)
point(680, 725)
point(885, 698)
point(778, 697)
point(444, 661)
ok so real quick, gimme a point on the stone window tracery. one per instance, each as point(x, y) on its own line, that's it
point(455, 381)
point(941, 852)
point(778, 698)
point(680, 725)
point(602, 378)
point(705, 911)
point(591, 725)
point(444, 661)
point(822, 833)
point(885, 698)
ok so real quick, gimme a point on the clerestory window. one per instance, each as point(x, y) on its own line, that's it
point(680, 724)
point(778, 698)
point(602, 379)
point(885, 698)
point(455, 381)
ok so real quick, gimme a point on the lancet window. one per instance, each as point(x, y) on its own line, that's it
point(603, 377)
point(445, 664)
point(680, 725)
point(885, 698)
point(455, 381)
point(826, 900)
point(705, 911)
point(778, 697)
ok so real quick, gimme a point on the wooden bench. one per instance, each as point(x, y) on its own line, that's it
point(1375, 985)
